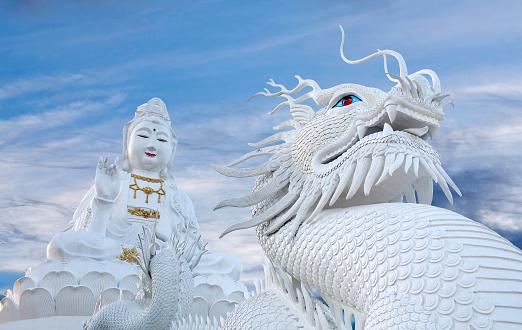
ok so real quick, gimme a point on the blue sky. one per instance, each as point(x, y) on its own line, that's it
point(73, 72)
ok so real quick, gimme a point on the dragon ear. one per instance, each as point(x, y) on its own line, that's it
point(302, 113)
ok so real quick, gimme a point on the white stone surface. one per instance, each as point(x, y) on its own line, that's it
point(52, 322)
point(328, 206)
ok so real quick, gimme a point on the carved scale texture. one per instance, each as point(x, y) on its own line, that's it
point(405, 265)
point(167, 290)
point(263, 311)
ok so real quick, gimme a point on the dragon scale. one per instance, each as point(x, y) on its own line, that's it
point(343, 205)
point(167, 280)
point(367, 257)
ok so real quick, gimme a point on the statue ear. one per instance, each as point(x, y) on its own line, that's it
point(125, 165)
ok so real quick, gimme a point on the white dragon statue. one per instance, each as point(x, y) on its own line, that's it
point(329, 211)
point(166, 292)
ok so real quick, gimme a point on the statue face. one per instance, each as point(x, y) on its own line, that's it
point(150, 147)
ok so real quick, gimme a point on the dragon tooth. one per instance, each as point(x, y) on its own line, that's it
point(432, 131)
point(387, 130)
point(430, 168)
point(407, 163)
point(448, 179)
point(325, 196)
point(373, 173)
point(345, 178)
point(392, 112)
point(397, 163)
point(390, 159)
point(417, 131)
point(358, 177)
point(361, 130)
point(416, 166)
point(444, 186)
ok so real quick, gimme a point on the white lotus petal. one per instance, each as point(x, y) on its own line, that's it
point(55, 281)
point(8, 310)
point(130, 282)
point(221, 308)
point(211, 293)
point(99, 281)
point(110, 295)
point(199, 307)
point(75, 300)
point(22, 284)
point(36, 303)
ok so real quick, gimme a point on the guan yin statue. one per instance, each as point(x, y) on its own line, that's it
point(341, 209)
point(133, 215)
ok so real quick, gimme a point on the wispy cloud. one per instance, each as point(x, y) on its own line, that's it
point(48, 154)
point(37, 84)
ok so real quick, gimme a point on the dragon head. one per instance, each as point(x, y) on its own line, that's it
point(363, 146)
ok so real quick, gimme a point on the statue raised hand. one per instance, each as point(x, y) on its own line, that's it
point(106, 182)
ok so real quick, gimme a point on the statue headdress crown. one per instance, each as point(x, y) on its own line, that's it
point(155, 107)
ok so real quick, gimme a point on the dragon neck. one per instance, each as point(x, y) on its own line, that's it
point(165, 271)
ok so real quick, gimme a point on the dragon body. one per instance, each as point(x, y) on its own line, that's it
point(166, 293)
point(330, 213)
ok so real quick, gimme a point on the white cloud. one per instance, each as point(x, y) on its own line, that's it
point(37, 84)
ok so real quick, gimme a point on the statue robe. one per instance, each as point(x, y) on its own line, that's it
point(176, 214)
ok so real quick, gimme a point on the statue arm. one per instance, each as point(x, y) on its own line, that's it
point(82, 216)
point(106, 189)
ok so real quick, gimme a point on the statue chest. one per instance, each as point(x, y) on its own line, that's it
point(144, 203)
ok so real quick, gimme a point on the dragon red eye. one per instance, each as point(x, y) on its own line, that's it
point(347, 100)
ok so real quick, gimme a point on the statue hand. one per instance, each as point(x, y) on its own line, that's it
point(107, 180)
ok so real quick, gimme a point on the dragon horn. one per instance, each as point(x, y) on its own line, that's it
point(400, 59)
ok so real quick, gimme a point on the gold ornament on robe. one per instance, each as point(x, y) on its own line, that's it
point(129, 255)
point(147, 190)
point(144, 213)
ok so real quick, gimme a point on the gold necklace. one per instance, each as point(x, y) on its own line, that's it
point(147, 190)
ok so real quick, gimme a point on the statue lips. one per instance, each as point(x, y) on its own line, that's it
point(150, 155)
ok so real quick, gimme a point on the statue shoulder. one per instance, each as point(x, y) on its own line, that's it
point(180, 202)
point(178, 194)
